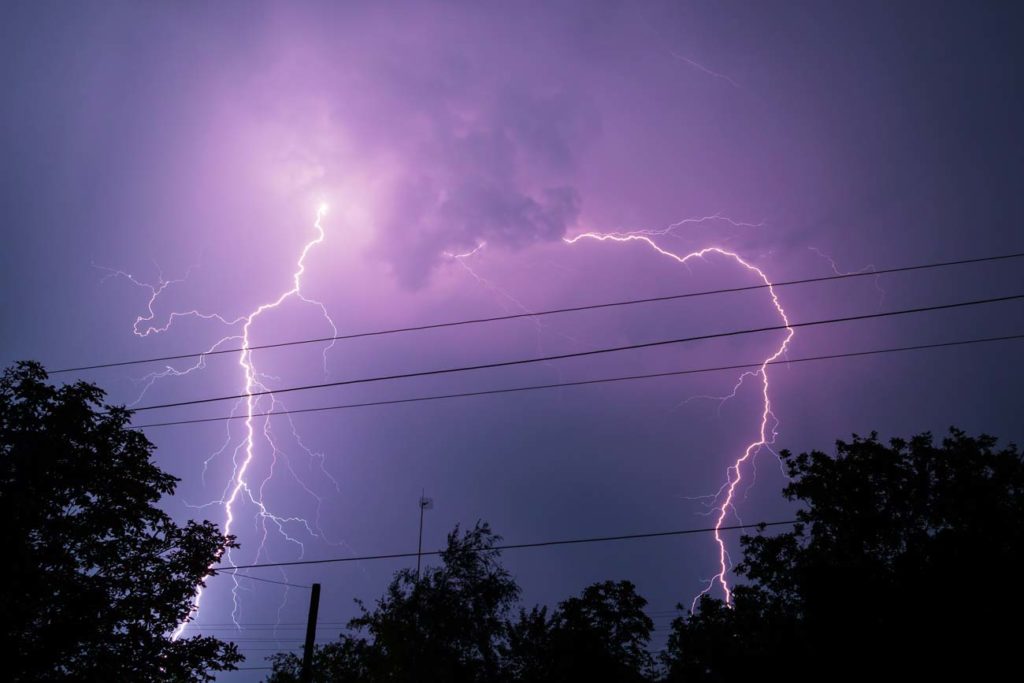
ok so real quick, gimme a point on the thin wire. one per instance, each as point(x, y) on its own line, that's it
point(581, 354)
point(554, 311)
point(513, 546)
point(267, 624)
point(580, 383)
point(279, 583)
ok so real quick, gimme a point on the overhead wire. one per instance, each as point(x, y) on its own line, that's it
point(275, 581)
point(509, 546)
point(579, 383)
point(582, 354)
point(533, 314)
point(233, 570)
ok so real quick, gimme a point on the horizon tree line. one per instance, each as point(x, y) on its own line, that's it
point(905, 562)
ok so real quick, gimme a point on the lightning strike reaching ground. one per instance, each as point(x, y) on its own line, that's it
point(239, 483)
point(243, 486)
point(724, 498)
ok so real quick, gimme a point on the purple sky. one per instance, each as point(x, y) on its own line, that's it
point(151, 138)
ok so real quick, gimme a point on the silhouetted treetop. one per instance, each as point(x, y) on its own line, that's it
point(98, 576)
point(907, 553)
point(904, 563)
point(601, 635)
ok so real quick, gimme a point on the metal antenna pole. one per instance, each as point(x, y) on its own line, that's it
point(425, 504)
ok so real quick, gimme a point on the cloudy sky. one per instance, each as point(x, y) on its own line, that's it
point(460, 147)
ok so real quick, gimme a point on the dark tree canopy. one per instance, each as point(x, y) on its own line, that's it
point(601, 635)
point(455, 625)
point(906, 559)
point(97, 574)
point(904, 564)
point(446, 626)
point(343, 661)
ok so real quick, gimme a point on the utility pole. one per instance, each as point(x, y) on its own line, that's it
point(307, 654)
point(425, 504)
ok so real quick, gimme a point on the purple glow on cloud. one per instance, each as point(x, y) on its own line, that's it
point(160, 140)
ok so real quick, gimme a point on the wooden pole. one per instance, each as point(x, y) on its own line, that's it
point(307, 654)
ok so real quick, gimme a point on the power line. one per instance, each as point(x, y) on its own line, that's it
point(604, 380)
point(263, 624)
point(257, 641)
point(301, 626)
point(264, 636)
point(580, 354)
point(512, 546)
point(274, 581)
point(553, 311)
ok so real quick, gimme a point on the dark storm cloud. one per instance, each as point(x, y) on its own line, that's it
point(475, 123)
point(498, 173)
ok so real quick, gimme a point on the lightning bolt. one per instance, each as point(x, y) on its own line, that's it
point(463, 261)
point(510, 302)
point(239, 483)
point(870, 268)
point(243, 486)
point(724, 499)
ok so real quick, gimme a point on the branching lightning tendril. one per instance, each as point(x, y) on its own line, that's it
point(724, 498)
point(241, 487)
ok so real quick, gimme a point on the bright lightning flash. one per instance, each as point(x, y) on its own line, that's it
point(258, 441)
point(240, 488)
point(724, 499)
point(239, 483)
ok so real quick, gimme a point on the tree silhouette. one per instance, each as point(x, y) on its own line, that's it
point(97, 576)
point(906, 561)
point(446, 625)
point(601, 635)
point(454, 625)
point(754, 637)
point(903, 563)
point(339, 662)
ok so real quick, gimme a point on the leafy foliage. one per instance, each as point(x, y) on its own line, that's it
point(906, 559)
point(445, 626)
point(455, 625)
point(904, 563)
point(599, 636)
point(344, 660)
point(98, 575)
